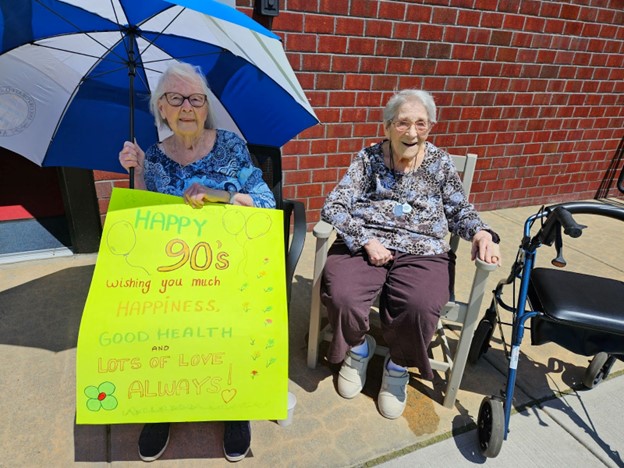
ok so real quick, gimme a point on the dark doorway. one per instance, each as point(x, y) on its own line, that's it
point(32, 215)
point(38, 209)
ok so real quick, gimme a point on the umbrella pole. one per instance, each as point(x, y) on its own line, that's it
point(131, 75)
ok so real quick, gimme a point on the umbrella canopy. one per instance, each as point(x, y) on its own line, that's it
point(76, 75)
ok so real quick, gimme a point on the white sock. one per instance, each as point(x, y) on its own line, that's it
point(395, 367)
point(361, 349)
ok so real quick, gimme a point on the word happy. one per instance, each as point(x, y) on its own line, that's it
point(153, 221)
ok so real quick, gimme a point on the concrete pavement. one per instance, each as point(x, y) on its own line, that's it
point(580, 428)
point(40, 306)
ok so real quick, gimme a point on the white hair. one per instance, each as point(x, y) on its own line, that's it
point(400, 98)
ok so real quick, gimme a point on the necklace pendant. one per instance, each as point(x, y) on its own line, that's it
point(401, 209)
point(397, 210)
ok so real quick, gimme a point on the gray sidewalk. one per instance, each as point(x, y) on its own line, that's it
point(40, 307)
point(581, 428)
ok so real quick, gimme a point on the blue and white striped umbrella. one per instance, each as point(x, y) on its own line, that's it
point(75, 75)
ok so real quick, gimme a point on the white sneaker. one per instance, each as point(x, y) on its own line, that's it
point(352, 375)
point(393, 393)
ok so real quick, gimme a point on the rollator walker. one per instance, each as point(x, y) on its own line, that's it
point(580, 312)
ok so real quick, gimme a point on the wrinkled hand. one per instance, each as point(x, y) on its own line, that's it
point(197, 195)
point(484, 249)
point(131, 155)
point(378, 255)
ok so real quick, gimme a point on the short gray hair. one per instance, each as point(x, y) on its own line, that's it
point(187, 72)
point(400, 98)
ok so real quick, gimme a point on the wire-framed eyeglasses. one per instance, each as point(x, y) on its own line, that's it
point(404, 125)
point(176, 99)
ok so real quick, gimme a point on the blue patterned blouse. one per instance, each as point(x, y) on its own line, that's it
point(363, 204)
point(227, 167)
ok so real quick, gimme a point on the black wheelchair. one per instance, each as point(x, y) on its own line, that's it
point(580, 312)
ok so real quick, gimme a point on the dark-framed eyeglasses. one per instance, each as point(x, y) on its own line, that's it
point(176, 99)
point(404, 125)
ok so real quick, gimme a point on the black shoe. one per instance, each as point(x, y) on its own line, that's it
point(236, 440)
point(153, 441)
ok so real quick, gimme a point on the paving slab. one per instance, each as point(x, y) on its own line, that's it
point(578, 429)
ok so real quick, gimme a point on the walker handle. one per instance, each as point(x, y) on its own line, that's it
point(557, 218)
point(570, 227)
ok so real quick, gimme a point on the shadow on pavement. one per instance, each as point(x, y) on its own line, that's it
point(45, 313)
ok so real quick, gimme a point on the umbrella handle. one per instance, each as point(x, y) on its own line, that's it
point(131, 74)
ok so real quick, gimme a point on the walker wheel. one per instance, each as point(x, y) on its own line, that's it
point(491, 427)
point(597, 370)
point(480, 341)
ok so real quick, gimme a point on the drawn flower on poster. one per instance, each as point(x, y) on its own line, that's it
point(101, 397)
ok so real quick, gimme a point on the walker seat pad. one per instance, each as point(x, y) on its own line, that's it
point(586, 313)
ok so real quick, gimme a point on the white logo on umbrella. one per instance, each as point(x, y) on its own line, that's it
point(17, 111)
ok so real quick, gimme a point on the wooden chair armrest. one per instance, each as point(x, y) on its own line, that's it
point(481, 265)
point(322, 230)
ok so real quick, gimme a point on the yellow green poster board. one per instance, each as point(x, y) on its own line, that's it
point(186, 316)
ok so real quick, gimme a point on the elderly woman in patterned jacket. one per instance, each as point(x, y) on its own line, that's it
point(393, 210)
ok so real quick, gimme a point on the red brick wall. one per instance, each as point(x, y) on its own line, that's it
point(535, 88)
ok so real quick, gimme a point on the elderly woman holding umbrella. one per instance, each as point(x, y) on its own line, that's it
point(201, 164)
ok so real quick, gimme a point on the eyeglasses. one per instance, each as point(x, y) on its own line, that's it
point(404, 125)
point(176, 99)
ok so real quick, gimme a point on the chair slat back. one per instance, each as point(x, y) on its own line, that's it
point(466, 166)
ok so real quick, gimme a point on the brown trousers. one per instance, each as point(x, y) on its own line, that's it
point(412, 288)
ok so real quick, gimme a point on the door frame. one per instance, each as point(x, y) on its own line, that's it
point(81, 208)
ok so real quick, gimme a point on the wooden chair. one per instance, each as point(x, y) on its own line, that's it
point(465, 314)
point(269, 160)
